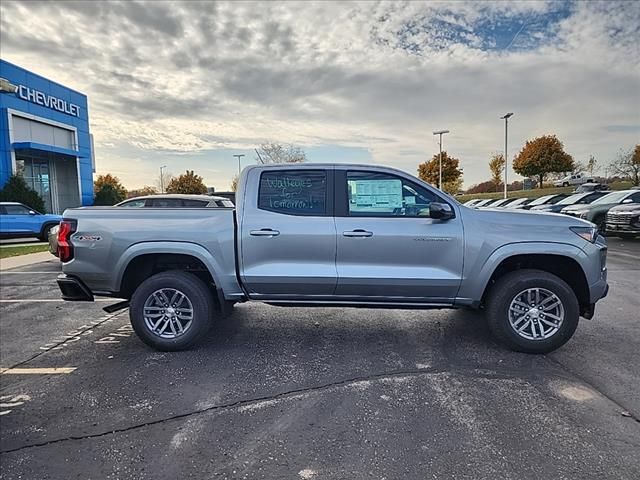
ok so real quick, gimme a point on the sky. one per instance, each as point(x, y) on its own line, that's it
point(190, 84)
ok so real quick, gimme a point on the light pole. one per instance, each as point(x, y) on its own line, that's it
point(506, 129)
point(162, 179)
point(440, 133)
point(239, 156)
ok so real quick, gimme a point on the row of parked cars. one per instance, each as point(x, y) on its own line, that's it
point(19, 220)
point(615, 213)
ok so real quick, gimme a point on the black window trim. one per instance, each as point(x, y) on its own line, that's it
point(342, 194)
point(328, 195)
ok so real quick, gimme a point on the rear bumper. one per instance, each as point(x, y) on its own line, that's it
point(73, 289)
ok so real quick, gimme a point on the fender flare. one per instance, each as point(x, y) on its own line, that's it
point(159, 248)
point(481, 275)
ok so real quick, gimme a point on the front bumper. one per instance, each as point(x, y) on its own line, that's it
point(73, 289)
point(622, 228)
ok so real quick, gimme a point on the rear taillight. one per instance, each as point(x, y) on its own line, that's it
point(65, 249)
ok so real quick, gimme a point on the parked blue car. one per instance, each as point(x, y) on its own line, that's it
point(18, 220)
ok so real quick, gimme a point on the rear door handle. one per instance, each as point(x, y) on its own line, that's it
point(264, 232)
point(358, 233)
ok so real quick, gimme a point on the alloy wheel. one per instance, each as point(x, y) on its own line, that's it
point(168, 313)
point(536, 314)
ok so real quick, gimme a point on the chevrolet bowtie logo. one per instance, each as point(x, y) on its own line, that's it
point(7, 86)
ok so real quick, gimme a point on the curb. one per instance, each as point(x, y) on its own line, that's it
point(24, 260)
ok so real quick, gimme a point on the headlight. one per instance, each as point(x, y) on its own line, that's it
point(590, 234)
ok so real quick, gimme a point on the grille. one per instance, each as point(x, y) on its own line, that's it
point(619, 219)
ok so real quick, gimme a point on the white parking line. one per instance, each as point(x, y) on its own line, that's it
point(36, 371)
point(57, 272)
point(44, 300)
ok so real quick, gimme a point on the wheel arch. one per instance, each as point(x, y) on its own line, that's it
point(46, 224)
point(141, 261)
point(561, 260)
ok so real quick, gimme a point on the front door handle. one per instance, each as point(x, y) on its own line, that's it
point(264, 232)
point(358, 233)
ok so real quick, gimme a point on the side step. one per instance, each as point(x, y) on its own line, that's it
point(116, 306)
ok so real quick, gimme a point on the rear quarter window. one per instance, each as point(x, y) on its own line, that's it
point(294, 192)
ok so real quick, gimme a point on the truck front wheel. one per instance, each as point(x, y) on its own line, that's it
point(532, 311)
point(171, 310)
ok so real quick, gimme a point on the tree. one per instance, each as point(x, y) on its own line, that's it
point(541, 156)
point(17, 190)
point(108, 190)
point(451, 174)
point(141, 192)
point(162, 180)
point(496, 165)
point(188, 182)
point(483, 187)
point(234, 183)
point(592, 165)
point(628, 164)
point(277, 153)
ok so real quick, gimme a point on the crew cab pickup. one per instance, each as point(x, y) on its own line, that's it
point(335, 235)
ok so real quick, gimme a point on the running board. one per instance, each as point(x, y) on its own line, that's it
point(116, 306)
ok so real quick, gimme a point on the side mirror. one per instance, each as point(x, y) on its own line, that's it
point(440, 211)
point(627, 200)
point(31, 212)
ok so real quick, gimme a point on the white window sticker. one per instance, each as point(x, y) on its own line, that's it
point(376, 194)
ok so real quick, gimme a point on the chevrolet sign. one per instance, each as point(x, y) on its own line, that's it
point(40, 98)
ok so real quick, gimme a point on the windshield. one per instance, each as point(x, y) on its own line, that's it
point(571, 199)
point(541, 200)
point(614, 197)
point(519, 201)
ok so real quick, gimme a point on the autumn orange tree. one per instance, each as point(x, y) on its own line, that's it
point(496, 166)
point(188, 182)
point(108, 190)
point(144, 191)
point(541, 156)
point(429, 171)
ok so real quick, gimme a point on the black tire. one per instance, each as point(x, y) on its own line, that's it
point(44, 234)
point(507, 289)
point(198, 295)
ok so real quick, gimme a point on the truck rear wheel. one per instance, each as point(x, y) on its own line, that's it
point(532, 311)
point(171, 310)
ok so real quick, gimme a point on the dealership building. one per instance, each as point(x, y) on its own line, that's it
point(44, 136)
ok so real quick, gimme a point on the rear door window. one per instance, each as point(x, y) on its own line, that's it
point(194, 203)
point(294, 192)
point(166, 203)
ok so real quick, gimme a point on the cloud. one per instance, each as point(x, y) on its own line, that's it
point(192, 77)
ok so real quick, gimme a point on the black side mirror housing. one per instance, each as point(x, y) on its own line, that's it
point(440, 211)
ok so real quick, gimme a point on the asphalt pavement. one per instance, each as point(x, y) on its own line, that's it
point(320, 393)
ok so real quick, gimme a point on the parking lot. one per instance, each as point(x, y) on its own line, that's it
point(315, 393)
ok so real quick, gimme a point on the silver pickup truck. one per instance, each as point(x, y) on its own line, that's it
point(335, 235)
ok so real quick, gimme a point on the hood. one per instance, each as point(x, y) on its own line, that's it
point(500, 227)
point(627, 207)
point(548, 208)
point(528, 218)
point(51, 216)
point(579, 208)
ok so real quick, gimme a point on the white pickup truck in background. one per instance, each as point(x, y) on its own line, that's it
point(573, 179)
